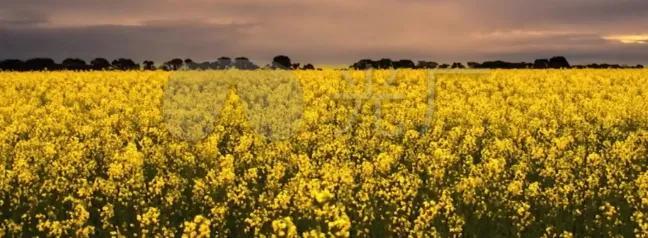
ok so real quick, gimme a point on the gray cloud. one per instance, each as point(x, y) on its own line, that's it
point(322, 31)
point(21, 18)
point(157, 40)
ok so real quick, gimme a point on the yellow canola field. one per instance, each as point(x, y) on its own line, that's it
point(523, 153)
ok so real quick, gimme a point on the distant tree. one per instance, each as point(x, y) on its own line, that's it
point(148, 65)
point(384, 63)
point(244, 64)
point(426, 65)
point(541, 64)
point(12, 65)
point(498, 64)
point(444, 66)
point(520, 65)
point(204, 65)
point(308, 67)
point(281, 62)
point(558, 62)
point(190, 64)
point(124, 64)
point(592, 66)
point(40, 64)
point(527, 65)
point(214, 65)
point(364, 64)
point(174, 64)
point(604, 66)
point(295, 66)
point(403, 64)
point(613, 66)
point(457, 65)
point(100, 64)
point(74, 64)
point(224, 63)
point(473, 65)
point(639, 66)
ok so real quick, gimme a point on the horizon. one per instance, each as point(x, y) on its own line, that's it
point(270, 61)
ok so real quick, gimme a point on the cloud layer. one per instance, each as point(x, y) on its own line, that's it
point(331, 32)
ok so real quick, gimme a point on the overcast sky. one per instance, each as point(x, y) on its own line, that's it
point(327, 31)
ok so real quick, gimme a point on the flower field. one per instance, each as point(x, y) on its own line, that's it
point(409, 153)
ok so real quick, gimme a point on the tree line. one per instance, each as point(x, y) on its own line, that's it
point(281, 62)
point(123, 64)
point(556, 62)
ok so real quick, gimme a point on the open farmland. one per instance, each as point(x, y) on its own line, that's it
point(501, 153)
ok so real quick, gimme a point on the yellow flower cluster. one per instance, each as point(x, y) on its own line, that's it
point(333, 153)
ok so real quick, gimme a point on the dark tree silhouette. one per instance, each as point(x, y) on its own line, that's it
point(174, 64)
point(148, 65)
point(364, 64)
point(457, 65)
point(244, 64)
point(426, 65)
point(558, 62)
point(612, 66)
point(541, 64)
point(523, 65)
point(404, 64)
point(125, 64)
point(308, 67)
point(100, 64)
point(593, 66)
point(74, 64)
point(603, 66)
point(40, 64)
point(12, 65)
point(384, 63)
point(214, 65)
point(498, 64)
point(474, 65)
point(281, 62)
point(224, 63)
point(190, 64)
point(203, 66)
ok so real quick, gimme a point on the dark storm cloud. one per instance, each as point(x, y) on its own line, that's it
point(154, 40)
point(331, 31)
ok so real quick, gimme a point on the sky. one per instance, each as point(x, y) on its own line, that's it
point(327, 31)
